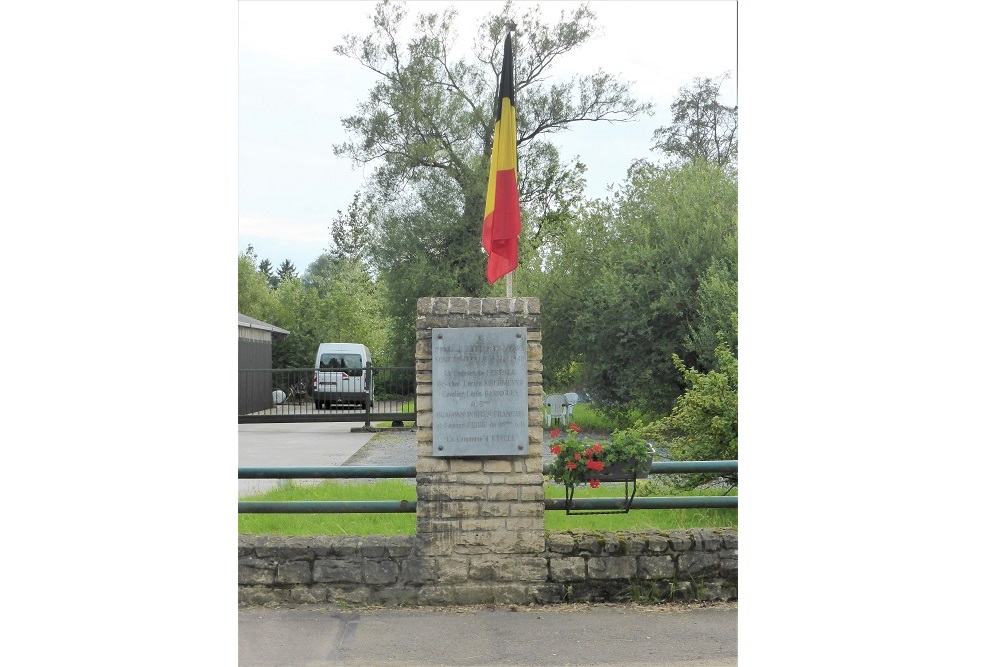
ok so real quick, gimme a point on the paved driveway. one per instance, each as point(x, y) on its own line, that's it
point(304, 444)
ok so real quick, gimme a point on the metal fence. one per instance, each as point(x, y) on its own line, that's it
point(590, 505)
point(391, 396)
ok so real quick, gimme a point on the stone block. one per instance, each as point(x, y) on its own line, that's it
point(522, 524)
point(293, 572)
point(531, 494)
point(488, 568)
point(452, 570)
point(459, 509)
point(587, 543)
point(464, 465)
point(697, 563)
point(529, 568)
point(498, 593)
point(308, 594)
point(427, 463)
point(681, 540)
point(730, 538)
point(707, 540)
point(611, 567)
point(380, 572)
point(287, 547)
point(497, 465)
point(496, 492)
point(728, 566)
point(657, 567)
point(559, 542)
point(569, 569)
point(484, 524)
point(496, 509)
point(373, 546)
point(399, 546)
point(337, 571)
point(418, 571)
point(657, 543)
point(530, 541)
point(534, 509)
point(635, 543)
point(256, 571)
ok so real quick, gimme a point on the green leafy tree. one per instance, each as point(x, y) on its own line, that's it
point(703, 128)
point(716, 309)
point(336, 300)
point(426, 130)
point(286, 271)
point(666, 231)
point(267, 270)
point(703, 425)
point(254, 296)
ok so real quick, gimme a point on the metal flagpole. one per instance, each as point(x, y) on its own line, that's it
point(511, 27)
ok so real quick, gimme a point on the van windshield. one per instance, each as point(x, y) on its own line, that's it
point(351, 363)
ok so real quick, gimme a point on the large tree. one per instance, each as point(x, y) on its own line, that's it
point(703, 128)
point(651, 274)
point(426, 132)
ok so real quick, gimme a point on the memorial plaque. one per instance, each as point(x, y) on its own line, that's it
point(479, 391)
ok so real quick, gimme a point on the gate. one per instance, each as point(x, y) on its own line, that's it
point(289, 397)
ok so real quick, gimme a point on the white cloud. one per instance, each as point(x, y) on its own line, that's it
point(289, 229)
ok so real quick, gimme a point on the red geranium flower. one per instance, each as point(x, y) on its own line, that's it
point(556, 449)
point(570, 465)
point(595, 465)
point(576, 457)
point(594, 483)
point(597, 448)
point(589, 453)
point(574, 427)
point(555, 433)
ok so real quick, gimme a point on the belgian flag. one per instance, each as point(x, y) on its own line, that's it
point(502, 222)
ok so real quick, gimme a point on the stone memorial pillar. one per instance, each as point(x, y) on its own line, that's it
point(480, 504)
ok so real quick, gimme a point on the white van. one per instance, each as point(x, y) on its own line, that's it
point(340, 375)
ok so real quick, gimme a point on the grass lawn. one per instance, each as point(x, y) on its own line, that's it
point(405, 524)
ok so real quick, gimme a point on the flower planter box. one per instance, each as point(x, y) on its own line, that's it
point(621, 471)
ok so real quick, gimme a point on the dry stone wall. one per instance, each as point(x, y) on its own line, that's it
point(578, 566)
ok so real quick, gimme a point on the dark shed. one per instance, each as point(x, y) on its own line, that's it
point(255, 355)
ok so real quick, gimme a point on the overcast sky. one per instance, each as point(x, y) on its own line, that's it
point(293, 91)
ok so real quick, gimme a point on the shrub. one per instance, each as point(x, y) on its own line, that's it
point(703, 424)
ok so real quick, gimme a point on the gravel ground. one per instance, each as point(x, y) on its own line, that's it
point(398, 447)
point(391, 447)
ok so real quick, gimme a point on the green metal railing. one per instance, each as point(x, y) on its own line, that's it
point(404, 472)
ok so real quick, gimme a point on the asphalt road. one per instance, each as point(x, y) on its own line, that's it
point(594, 635)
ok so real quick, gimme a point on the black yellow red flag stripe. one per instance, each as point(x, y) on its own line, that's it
point(502, 222)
